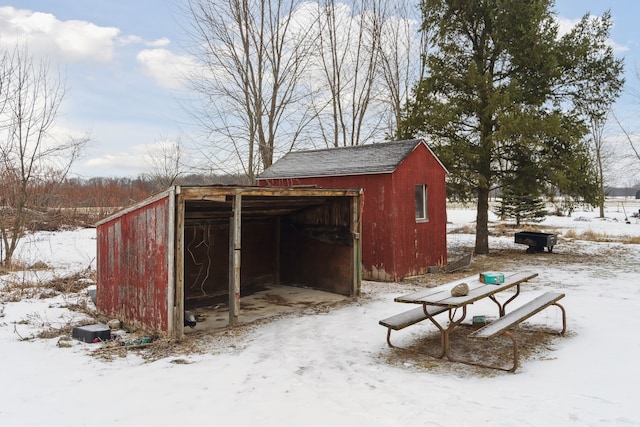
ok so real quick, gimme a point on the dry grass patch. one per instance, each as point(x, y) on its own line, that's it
point(592, 236)
point(74, 283)
point(51, 332)
point(17, 265)
point(18, 288)
point(158, 348)
point(465, 229)
point(632, 240)
point(45, 329)
point(589, 235)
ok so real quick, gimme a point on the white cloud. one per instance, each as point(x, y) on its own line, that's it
point(565, 25)
point(80, 40)
point(134, 161)
point(165, 67)
point(44, 34)
point(132, 39)
point(618, 48)
point(63, 132)
point(159, 43)
point(127, 40)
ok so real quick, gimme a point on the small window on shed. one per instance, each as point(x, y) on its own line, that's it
point(421, 202)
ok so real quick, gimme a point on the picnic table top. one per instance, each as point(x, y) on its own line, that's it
point(441, 295)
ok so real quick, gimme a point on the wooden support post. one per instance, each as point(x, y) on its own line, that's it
point(172, 241)
point(178, 292)
point(234, 259)
point(356, 261)
point(278, 237)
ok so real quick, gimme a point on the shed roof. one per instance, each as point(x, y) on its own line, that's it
point(353, 160)
point(215, 202)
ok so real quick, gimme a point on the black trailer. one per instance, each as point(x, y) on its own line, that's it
point(536, 241)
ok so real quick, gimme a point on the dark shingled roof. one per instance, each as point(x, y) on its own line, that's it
point(354, 160)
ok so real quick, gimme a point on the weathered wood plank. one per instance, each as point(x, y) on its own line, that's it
point(477, 290)
point(518, 315)
point(411, 317)
point(234, 264)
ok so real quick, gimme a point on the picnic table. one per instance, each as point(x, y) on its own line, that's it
point(439, 300)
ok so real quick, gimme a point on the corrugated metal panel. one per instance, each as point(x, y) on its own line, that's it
point(133, 266)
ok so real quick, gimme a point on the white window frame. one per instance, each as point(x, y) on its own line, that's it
point(420, 194)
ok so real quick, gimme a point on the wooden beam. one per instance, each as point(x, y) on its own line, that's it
point(178, 302)
point(278, 237)
point(235, 234)
point(216, 192)
point(356, 228)
point(171, 264)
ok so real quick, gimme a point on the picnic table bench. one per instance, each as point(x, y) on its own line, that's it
point(408, 318)
point(437, 301)
point(517, 316)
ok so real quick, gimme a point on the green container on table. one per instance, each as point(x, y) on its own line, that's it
point(492, 277)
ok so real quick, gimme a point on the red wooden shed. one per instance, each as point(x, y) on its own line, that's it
point(192, 245)
point(404, 210)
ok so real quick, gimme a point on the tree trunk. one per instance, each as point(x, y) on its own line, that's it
point(601, 187)
point(482, 223)
point(599, 164)
point(602, 209)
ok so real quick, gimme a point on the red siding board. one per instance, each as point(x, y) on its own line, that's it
point(132, 267)
point(394, 245)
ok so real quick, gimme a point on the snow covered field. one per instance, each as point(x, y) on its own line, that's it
point(330, 368)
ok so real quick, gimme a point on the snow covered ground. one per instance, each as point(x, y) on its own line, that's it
point(332, 368)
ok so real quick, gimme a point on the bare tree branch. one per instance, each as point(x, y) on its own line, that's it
point(348, 38)
point(30, 98)
point(627, 135)
point(165, 159)
point(252, 56)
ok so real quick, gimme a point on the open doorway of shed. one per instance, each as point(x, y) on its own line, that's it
point(296, 251)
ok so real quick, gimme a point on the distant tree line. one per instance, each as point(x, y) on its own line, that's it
point(82, 202)
point(118, 192)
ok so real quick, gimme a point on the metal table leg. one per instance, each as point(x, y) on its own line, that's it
point(501, 307)
point(446, 331)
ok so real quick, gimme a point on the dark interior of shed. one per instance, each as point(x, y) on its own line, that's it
point(293, 241)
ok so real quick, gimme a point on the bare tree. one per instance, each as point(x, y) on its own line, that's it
point(30, 96)
point(601, 152)
point(369, 55)
point(252, 55)
point(627, 134)
point(628, 137)
point(595, 97)
point(631, 160)
point(166, 162)
point(402, 56)
point(348, 38)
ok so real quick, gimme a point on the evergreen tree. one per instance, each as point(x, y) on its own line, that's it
point(502, 91)
point(525, 207)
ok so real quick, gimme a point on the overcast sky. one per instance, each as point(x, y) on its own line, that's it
point(123, 60)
